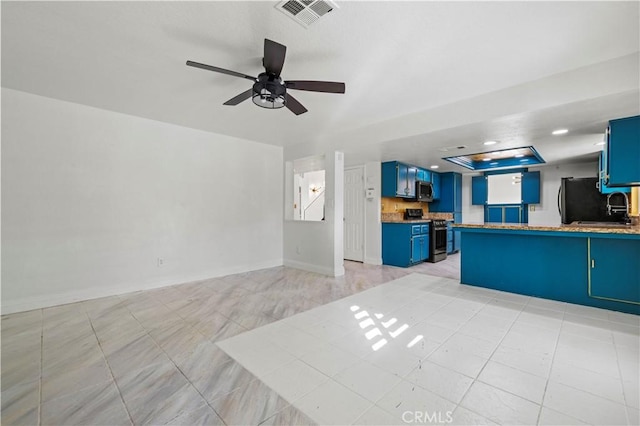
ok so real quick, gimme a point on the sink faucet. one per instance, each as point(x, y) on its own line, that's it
point(618, 208)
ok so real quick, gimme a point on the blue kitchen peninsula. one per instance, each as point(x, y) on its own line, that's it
point(593, 266)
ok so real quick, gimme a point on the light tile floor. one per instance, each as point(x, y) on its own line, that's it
point(423, 349)
point(485, 357)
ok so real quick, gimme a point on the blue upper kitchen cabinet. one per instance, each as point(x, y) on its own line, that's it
point(604, 188)
point(435, 181)
point(622, 166)
point(530, 187)
point(450, 201)
point(423, 175)
point(398, 180)
point(479, 190)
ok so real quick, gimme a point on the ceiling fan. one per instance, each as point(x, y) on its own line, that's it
point(269, 90)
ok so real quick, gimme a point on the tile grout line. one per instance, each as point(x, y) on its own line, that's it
point(290, 404)
point(598, 373)
point(173, 362)
point(546, 385)
point(624, 393)
point(375, 403)
point(113, 379)
point(41, 366)
point(459, 298)
point(475, 379)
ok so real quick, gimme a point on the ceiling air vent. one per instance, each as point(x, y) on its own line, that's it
point(306, 12)
point(452, 148)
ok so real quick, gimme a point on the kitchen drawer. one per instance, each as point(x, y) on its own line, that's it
point(424, 229)
point(415, 229)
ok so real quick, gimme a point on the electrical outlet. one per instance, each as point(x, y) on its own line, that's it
point(532, 208)
point(160, 262)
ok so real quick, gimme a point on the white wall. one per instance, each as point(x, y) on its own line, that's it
point(372, 223)
point(545, 213)
point(309, 205)
point(91, 199)
point(316, 246)
point(470, 213)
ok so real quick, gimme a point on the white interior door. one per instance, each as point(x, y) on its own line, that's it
point(354, 214)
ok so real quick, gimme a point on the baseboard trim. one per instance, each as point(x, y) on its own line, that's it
point(324, 270)
point(373, 260)
point(47, 301)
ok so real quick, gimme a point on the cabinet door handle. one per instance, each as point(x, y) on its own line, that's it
point(593, 263)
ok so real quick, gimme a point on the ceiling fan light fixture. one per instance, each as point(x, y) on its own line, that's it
point(269, 92)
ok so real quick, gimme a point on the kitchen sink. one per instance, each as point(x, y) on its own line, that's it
point(592, 224)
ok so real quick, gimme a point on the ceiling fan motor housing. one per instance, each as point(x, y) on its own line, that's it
point(269, 91)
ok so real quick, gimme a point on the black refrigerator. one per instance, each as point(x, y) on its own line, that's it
point(579, 199)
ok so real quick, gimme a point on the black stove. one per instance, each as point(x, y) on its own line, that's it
point(413, 214)
point(439, 224)
point(437, 240)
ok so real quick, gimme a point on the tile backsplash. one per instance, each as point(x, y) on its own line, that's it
point(399, 205)
point(392, 210)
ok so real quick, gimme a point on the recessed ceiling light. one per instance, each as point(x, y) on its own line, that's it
point(560, 132)
point(491, 142)
point(435, 166)
point(519, 155)
point(493, 163)
point(486, 159)
point(600, 143)
point(523, 160)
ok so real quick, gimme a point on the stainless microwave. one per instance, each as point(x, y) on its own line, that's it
point(424, 191)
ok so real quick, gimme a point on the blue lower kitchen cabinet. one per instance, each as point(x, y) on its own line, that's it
point(449, 238)
point(506, 213)
point(599, 269)
point(494, 214)
point(404, 244)
point(614, 277)
point(419, 248)
point(457, 235)
point(513, 214)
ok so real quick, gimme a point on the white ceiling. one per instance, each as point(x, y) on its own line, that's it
point(419, 75)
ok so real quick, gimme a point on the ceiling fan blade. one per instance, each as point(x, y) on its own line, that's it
point(316, 86)
point(220, 70)
point(273, 60)
point(241, 97)
point(294, 106)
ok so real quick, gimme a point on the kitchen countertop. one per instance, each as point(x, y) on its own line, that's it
point(628, 229)
point(408, 221)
